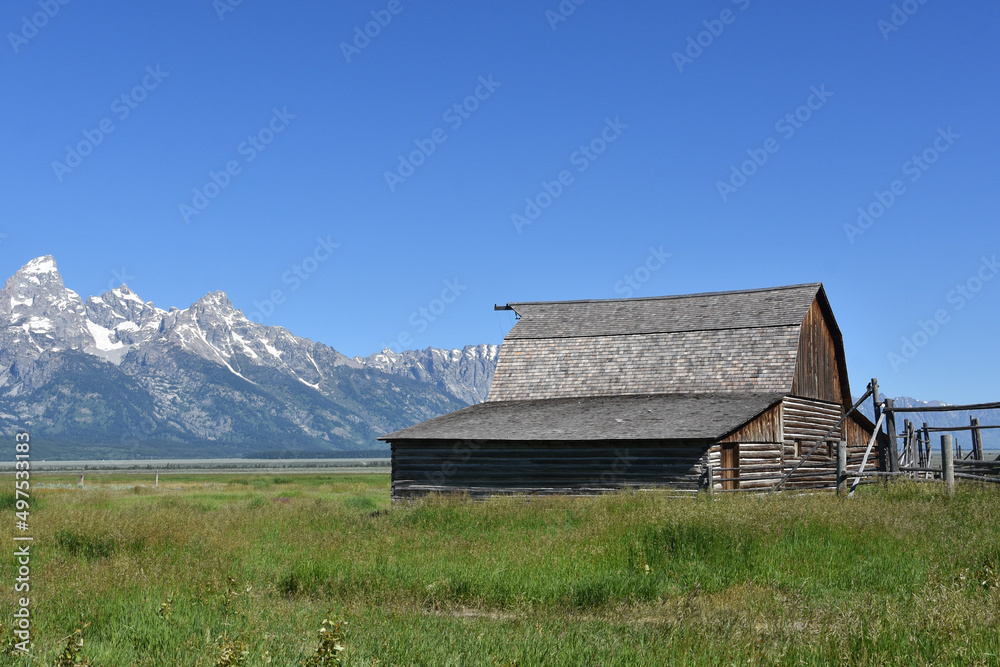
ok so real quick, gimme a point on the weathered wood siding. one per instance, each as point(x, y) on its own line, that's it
point(492, 467)
point(760, 464)
point(765, 428)
point(858, 436)
point(725, 361)
point(817, 372)
point(484, 468)
point(760, 452)
point(805, 421)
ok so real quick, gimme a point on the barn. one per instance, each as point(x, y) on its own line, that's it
point(727, 389)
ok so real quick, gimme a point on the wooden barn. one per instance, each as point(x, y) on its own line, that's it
point(593, 396)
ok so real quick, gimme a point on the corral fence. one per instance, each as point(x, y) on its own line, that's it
point(911, 449)
point(906, 452)
point(805, 474)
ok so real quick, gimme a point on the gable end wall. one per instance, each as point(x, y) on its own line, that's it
point(818, 372)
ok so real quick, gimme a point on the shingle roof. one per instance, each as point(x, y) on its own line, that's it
point(668, 417)
point(777, 306)
point(722, 342)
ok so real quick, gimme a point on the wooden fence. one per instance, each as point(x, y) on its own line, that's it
point(913, 451)
point(905, 454)
point(951, 469)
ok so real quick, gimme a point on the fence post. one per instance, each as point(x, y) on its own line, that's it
point(977, 439)
point(883, 459)
point(927, 443)
point(916, 451)
point(907, 457)
point(711, 482)
point(890, 429)
point(841, 467)
point(948, 463)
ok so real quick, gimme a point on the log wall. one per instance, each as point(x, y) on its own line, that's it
point(806, 420)
point(760, 463)
point(487, 468)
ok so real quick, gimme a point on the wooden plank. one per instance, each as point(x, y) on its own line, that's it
point(803, 400)
point(864, 461)
point(561, 451)
point(766, 427)
point(977, 463)
point(568, 460)
point(890, 429)
point(817, 371)
point(949, 429)
point(951, 408)
point(730, 466)
point(794, 408)
point(979, 478)
point(947, 463)
point(977, 439)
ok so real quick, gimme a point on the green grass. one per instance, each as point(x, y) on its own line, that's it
point(171, 576)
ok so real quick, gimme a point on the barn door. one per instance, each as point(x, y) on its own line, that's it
point(731, 465)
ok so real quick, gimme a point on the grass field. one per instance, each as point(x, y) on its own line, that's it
point(205, 567)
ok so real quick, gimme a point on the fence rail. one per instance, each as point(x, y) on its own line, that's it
point(738, 478)
point(907, 454)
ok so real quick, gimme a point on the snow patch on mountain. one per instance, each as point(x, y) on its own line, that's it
point(466, 373)
point(102, 337)
point(45, 264)
point(121, 363)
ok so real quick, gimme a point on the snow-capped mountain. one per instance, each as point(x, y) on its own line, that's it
point(118, 320)
point(40, 313)
point(465, 373)
point(115, 368)
point(45, 316)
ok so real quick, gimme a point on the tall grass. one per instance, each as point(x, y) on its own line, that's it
point(249, 567)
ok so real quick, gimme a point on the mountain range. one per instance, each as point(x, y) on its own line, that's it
point(114, 376)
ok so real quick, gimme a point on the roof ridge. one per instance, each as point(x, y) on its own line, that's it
point(659, 333)
point(670, 296)
point(708, 395)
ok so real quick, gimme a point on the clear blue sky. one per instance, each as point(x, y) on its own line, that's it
point(678, 125)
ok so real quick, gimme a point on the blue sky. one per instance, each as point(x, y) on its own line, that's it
point(669, 148)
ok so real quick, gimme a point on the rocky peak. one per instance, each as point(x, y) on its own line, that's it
point(39, 312)
point(465, 373)
point(40, 266)
point(38, 315)
point(217, 302)
point(126, 317)
point(37, 288)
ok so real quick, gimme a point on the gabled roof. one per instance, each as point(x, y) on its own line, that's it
point(721, 342)
point(663, 417)
point(712, 311)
